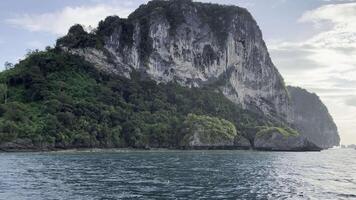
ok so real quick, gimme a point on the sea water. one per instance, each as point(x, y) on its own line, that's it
point(329, 174)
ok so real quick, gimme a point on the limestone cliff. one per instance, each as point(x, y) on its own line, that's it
point(312, 119)
point(194, 44)
point(197, 45)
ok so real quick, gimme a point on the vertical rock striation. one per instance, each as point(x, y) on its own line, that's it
point(312, 119)
point(194, 44)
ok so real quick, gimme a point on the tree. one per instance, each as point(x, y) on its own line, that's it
point(3, 93)
point(8, 65)
point(8, 130)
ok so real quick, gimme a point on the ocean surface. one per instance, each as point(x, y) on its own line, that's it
point(122, 174)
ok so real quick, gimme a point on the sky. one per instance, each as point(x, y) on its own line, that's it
point(311, 42)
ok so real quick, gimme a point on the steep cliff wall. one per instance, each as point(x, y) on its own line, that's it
point(196, 45)
point(312, 119)
point(193, 44)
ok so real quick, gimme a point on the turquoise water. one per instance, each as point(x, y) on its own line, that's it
point(323, 175)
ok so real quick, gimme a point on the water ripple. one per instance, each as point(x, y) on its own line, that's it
point(179, 175)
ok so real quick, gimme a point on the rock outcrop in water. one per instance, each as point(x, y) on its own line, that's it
point(278, 142)
point(312, 119)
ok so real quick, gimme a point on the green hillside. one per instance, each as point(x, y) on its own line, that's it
point(57, 100)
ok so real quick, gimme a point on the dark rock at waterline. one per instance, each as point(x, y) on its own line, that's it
point(23, 145)
point(212, 47)
point(242, 142)
point(279, 142)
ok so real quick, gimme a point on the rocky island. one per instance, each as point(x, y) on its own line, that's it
point(174, 74)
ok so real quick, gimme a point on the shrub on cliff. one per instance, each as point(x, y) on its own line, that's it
point(205, 130)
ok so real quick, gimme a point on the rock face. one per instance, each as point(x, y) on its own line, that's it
point(204, 132)
point(194, 44)
point(242, 143)
point(312, 119)
point(199, 141)
point(278, 142)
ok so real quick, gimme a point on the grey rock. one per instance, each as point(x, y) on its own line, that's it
point(17, 145)
point(198, 141)
point(278, 142)
point(242, 142)
point(195, 55)
point(194, 52)
point(312, 119)
point(20, 145)
point(195, 142)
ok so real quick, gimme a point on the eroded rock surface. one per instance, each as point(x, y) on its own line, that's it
point(312, 119)
point(194, 44)
point(278, 142)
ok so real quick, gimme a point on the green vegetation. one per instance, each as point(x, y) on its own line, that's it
point(171, 10)
point(113, 23)
point(59, 100)
point(285, 131)
point(3, 93)
point(218, 18)
point(211, 130)
point(77, 37)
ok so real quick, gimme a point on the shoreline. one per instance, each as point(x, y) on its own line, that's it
point(113, 150)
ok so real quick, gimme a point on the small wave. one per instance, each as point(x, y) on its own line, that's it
point(347, 195)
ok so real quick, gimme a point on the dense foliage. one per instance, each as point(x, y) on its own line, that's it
point(285, 131)
point(77, 37)
point(59, 100)
point(211, 130)
point(55, 99)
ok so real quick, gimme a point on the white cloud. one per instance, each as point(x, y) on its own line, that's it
point(351, 101)
point(326, 62)
point(342, 16)
point(59, 22)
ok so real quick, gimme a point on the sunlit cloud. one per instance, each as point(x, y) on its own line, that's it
point(59, 22)
point(326, 62)
point(351, 101)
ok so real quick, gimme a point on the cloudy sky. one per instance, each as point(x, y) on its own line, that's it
point(312, 42)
